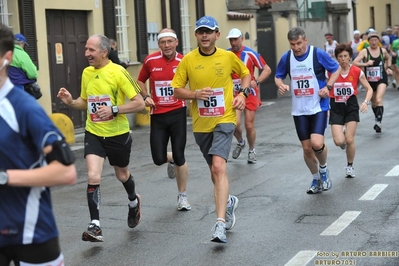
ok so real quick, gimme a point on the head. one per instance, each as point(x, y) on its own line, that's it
point(396, 30)
point(389, 31)
point(298, 41)
point(167, 42)
point(6, 50)
point(356, 35)
point(329, 37)
point(369, 30)
point(97, 49)
point(207, 32)
point(343, 53)
point(235, 37)
point(373, 39)
point(20, 40)
point(363, 36)
point(114, 44)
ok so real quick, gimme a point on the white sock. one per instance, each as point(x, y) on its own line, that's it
point(133, 203)
point(96, 222)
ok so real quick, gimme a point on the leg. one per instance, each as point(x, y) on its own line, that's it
point(350, 140)
point(250, 127)
point(238, 130)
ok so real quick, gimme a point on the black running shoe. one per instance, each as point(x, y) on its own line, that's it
point(134, 215)
point(93, 234)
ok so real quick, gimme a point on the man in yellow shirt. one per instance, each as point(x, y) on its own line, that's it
point(105, 86)
point(213, 106)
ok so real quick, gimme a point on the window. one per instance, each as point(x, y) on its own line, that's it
point(388, 15)
point(372, 19)
point(121, 30)
point(4, 12)
point(141, 29)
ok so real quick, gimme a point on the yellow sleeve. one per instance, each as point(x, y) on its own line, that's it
point(361, 46)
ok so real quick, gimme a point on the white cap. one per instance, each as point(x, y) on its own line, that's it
point(234, 33)
point(356, 32)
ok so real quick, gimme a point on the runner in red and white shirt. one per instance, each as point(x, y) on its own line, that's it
point(344, 112)
point(251, 59)
point(168, 114)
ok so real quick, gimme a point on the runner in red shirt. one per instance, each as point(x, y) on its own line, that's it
point(168, 114)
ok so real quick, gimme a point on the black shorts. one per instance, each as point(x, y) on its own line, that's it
point(116, 148)
point(394, 60)
point(384, 80)
point(44, 253)
point(171, 125)
point(342, 113)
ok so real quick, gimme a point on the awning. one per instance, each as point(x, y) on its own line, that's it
point(232, 15)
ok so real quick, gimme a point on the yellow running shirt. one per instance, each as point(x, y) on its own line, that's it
point(210, 71)
point(109, 85)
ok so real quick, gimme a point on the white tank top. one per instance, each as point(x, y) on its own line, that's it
point(331, 48)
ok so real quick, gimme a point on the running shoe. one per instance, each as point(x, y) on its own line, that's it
point(93, 233)
point(237, 150)
point(230, 216)
point(315, 187)
point(325, 180)
point(350, 172)
point(378, 127)
point(182, 203)
point(171, 170)
point(251, 157)
point(219, 233)
point(394, 84)
point(134, 215)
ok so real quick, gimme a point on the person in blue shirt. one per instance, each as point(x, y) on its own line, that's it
point(306, 65)
point(34, 156)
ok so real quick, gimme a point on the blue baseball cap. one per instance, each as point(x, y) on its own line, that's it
point(206, 22)
point(20, 38)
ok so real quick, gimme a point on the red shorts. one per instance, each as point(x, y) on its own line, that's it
point(253, 102)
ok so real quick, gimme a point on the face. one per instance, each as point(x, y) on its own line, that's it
point(329, 38)
point(236, 43)
point(206, 38)
point(396, 30)
point(94, 55)
point(374, 42)
point(356, 36)
point(343, 58)
point(299, 46)
point(168, 46)
point(114, 46)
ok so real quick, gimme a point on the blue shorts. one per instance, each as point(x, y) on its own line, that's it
point(217, 142)
point(306, 125)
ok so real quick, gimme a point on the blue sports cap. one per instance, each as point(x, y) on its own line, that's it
point(20, 38)
point(206, 22)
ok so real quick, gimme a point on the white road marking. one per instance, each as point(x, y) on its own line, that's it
point(373, 192)
point(341, 223)
point(266, 104)
point(394, 171)
point(302, 258)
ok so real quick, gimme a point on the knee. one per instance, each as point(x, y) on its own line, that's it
point(350, 140)
point(159, 161)
point(93, 178)
point(319, 148)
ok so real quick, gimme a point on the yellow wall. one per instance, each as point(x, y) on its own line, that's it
point(363, 14)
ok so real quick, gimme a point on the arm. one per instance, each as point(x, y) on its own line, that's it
point(388, 62)
point(51, 175)
point(29, 67)
point(369, 93)
point(136, 104)
point(144, 93)
point(266, 71)
point(66, 98)
point(361, 56)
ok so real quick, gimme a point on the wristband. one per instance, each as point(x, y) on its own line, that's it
point(145, 97)
point(389, 67)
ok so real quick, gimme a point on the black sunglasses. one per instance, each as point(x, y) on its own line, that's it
point(205, 30)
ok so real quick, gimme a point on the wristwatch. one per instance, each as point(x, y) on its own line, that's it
point(257, 82)
point(367, 102)
point(115, 110)
point(329, 87)
point(3, 177)
point(145, 97)
point(245, 91)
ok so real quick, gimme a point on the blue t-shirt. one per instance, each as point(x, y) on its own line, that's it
point(26, 215)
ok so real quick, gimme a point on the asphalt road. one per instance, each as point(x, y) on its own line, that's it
point(277, 222)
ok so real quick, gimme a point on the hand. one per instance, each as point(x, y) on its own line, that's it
point(65, 96)
point(283, 88)
point(204, 94)
point(363, 107)
point(324, 93)
point(239, 102)
point(370, 63)
point(389, 71)
point(149, 102)
point(104, 112)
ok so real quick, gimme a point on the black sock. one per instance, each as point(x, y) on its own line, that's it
point(380, 112)
point(130, 188)
point(350, 164)
point(93, 200)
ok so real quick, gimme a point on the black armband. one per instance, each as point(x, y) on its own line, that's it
point(61, 152)
point(245, 91)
